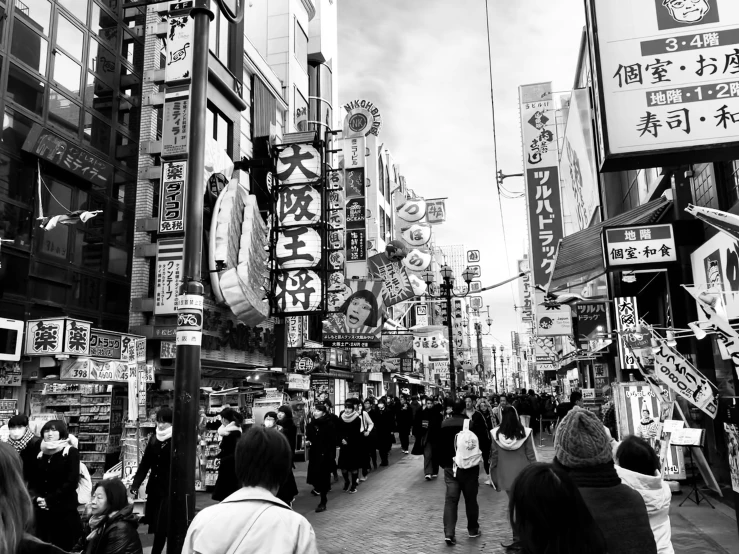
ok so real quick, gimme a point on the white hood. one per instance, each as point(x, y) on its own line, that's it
point(509, 444)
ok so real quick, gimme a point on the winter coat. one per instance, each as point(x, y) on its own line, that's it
point(31, 545)
point(384, 424)
point(481, 430)
point(117, 536)
point(322, 451)
point(227, 482)
point(55, 479)
point(657, 496)
point(404, 419)
point(429, 434)
point(251, 521)
point(289, 489)
point(508, 457)
point(351, 454)
point(447, 435)
point(29, 456)
point(157, 457)
point(618, 509)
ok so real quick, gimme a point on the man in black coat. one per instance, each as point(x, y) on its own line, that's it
point(321, 440)
point(426, 430)
point(404, 422)
point(384, 427)
point(25, 443)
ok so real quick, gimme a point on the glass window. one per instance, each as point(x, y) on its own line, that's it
point(15, 224)
point(63, 112)
point(301, 46)
point(132, 50)
point(213, 34)
point(127, 157)
point(104, 26)
point(122, 182)
point(117, 261)
point(117, 298)
point(101, 61)
point(69, 37)
point(15, 130)
point(97, 133)
point(224, 30)
point(77, 7)
point(99, 96)
point(25, 90)
point(3, 17)
point(67, 72)
point(86, 291)
point(56, 198)
point(17, 179)
point(29, 47)
point(15, 275)
point(47, 291)
point(36, 12)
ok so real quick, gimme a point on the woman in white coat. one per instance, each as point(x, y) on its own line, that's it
point(639, 468)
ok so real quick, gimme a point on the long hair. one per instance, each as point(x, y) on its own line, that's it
point(510, 425)
point(636, 454)
point(368, 297)
point(16, 509)
point(548, 512)
point(115, 494)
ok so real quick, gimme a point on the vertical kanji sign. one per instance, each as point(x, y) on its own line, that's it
point(168, 277)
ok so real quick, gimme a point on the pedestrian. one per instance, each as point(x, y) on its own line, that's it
point(16, 509)
point(564, 408)
point(459, 480)
point(229, 434)
point(25, 443)
point(512, 449)
point(497, 411)
point(638, 467)
point(321, 441)
point(426, 430)
point(548, 513)
point(350, 445)
point(335, 420)
point(270, 420)
point(487, 415)
point(112, 527)
point(480, 427)
point(53, 487)
point(286, 425)
point(404, 420)
point(384, 425)
point(367, 440)
point(549, 412)
point(448, 408)
point(582, 449)
point(416, 405)
point(156, 462)
point(253, 519)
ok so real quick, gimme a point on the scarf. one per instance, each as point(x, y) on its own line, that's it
point(224, 430)
point(53, 447)
point(164, 435)
point(597, 477)
point(349, 418)
point(96, 524)
point(22, 442)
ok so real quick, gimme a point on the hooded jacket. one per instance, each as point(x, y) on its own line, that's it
point(657, 495)
point(117, 535)
point(509, 456)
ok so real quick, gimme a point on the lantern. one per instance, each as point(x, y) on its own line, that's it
point(299, 205)
point(336, 200)
point(336, 240)
point(336, 260)
point(297, 247)
point(298, 291)
point(336, 219)
point(412, 210)
point(417, 234)
point(336, 180)
point(336, 281)
point(417, 260)
point(298, 163)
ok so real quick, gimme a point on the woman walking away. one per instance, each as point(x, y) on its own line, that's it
point(25, 443)
point(112, 527)
point(583, 450)
point(368, 427)
point(404, 419)
point(512, 449)
point(157, 458)
point(229, 434)
point(549, 515)
point(321, 440)
point(285, 425)
point(384, 426)
point(54, 487)
point(350, 445)
point(16, 509)
point(638, 467)
point(426, 429)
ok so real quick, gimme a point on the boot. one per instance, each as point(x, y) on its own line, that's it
point(322, 506)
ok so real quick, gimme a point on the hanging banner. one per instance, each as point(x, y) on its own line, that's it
point(294, 331)
point(170, 253)
point(396, 284)
point(359, 322)
point(417, 261)
point(436, 211)
point(417, 234)
point(627, 318)
point(422, 317)
point(592, 319)
point(637, 246)
point(180, 38)
point(174, 127)
point(680, 375)
point(538, 124)
point(459, 330)
point(412, 210)
point(172, 197)
point(431, 343)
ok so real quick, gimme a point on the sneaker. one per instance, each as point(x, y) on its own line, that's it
point(314, 492)
point(428, 477)
point(474, 534)
point(352, 490)
point(405, 452)
point(321, 508)
point(362, 479)
point(435, 475)
point(450, 541)
point(514, 546)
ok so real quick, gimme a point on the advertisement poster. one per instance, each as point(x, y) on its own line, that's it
point(396, 284)
point(10, 374)
point(552, 322)
point(732, 444)
point(397, 351)
point(170, 253)
point(358, 324)
point(679, 374)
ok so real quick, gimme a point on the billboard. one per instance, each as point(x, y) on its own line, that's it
point(358, 323)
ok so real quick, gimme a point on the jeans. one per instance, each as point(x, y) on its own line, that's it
point(464, 483)
point(430, 466)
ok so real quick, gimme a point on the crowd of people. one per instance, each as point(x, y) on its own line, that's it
point(580, 503)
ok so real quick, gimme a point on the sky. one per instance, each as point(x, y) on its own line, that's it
point(424, 63)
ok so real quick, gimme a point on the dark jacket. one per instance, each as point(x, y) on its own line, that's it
point(227, 482)
point(117, 536)
point(321, 433)
point(449, 429)
point(481, 430)
point(30, 545)
point(618, 509)
point(29, 456)
point(157, 457)
point(404, 419)
point(384, 426)
point(428, 434)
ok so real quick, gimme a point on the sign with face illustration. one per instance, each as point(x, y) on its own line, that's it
point(358, 324)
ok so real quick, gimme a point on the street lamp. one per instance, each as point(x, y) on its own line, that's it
point(495, 369)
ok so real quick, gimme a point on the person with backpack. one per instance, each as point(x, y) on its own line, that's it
point(460, 456)
point(511, 451)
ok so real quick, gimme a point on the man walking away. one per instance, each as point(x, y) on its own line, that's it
point(480, 429)
point(404, 421)
point(426, 429)
point(454, 438)
point(253, 519)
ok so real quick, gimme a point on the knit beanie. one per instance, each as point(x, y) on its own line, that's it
point(581, 440)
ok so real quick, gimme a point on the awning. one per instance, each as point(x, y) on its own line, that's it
point(580, 255)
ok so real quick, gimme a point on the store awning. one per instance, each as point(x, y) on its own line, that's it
point(580, 255)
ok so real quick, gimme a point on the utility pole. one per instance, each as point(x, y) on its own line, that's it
point(480, 359)
point(450, 328)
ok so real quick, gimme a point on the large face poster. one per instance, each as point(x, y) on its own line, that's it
point(667, 73)
point(732, 445)
point(358, 324)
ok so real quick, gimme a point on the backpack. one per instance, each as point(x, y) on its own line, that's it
point(84, 486)
point(466, 448)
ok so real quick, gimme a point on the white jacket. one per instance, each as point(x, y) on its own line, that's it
point(657, 495)
point(252, 520)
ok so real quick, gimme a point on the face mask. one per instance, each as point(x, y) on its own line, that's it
point(17, 434)
point(269, 423)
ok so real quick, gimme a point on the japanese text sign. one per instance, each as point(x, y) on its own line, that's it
point(172, 197)
point(627, 319)
point(525, 291)
point(668, 75)
point(436, 211)
point(174, 127)
point(680, 375)
point(62, 153)
point(105, 344)
point(178, 66)
point(422, 317)
point(592, 318)
point(45, 337)
point(168, 276)
point(354, 152)
point(639, 245)
point(542, 177)
point(359, 322)
point(396, 285)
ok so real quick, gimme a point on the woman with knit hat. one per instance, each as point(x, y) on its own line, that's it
point(582, 449)
point(511, 450)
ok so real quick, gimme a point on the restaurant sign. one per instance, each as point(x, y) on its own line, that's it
point(639, 246)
